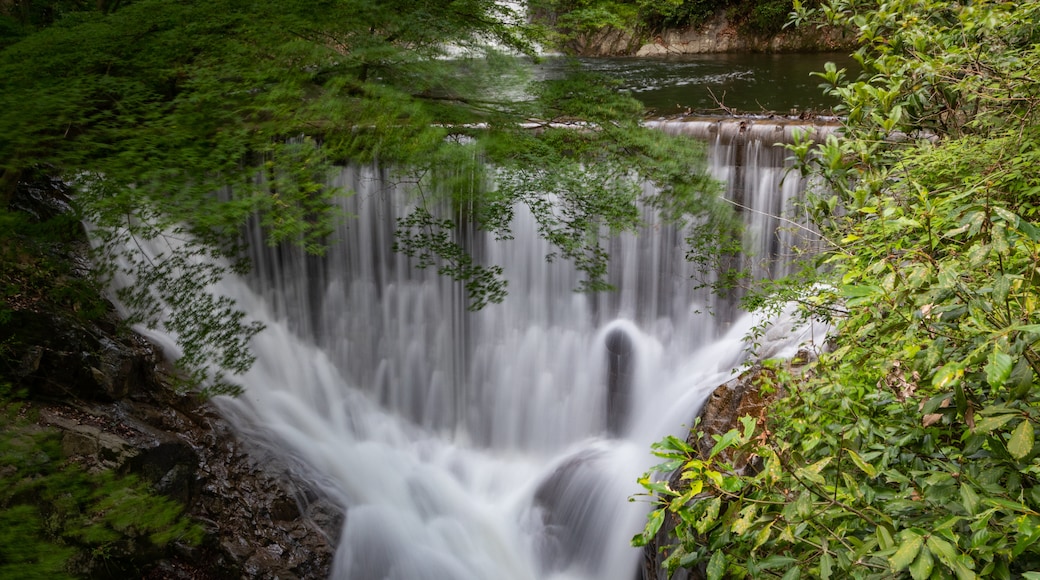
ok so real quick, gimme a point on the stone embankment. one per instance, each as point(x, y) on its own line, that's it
point(719, 35)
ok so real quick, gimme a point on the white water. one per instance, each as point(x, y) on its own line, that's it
point(475, 445)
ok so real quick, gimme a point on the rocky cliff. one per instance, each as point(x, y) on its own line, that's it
point(105, 390)
point(718, 35)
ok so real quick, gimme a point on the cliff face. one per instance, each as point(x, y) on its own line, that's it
point(106, 391)
point(719, 35)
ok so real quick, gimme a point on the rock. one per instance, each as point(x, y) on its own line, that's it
point(718, 35)
point(620, 368)
point(729, 402)
point(76, 442)
point(573, 529)
point(260, 523)
point(61, 357)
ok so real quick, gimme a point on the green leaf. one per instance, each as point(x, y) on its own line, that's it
point(921, 569)
point(826, 565)
point(1024, 542)
point(1021, 442)
point(804, 505)
point(812, 472)
point(1001, 288)
point(933, 404)
point(793, 574)
point(1006, 504)
point(969, 498)
point(862, 465)
point(988, 424)
point(749, 424)
point(998, 370)
point(747, 517)
point(859, 291)
point(776, 561)
point(763, 535)
point(674, 443)
point(884, 538)
point(909, 547)
point(949, 375)
point(948, 555)
point(653, 523)
point(716, 565)
point(725, 441)
point(1021, 380)
point(708, 517)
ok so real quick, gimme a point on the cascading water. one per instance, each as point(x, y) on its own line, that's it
point(493, 444)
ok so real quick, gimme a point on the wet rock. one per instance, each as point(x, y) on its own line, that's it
point(620, 367)
point(260, 523)
point(251, 501)
point(747, 395)
point(62, 357)
point(569, 513)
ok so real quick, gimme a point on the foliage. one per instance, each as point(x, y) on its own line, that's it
point(35, 270)
point(766, 16)
point(577, 21)
point(151, 107)
point(910, 452)
point(52, 512)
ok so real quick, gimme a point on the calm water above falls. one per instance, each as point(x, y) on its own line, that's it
point(748, 83)
point(469, 446)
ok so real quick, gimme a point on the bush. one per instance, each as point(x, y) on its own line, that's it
point(911, 451)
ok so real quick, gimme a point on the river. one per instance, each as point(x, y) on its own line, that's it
point(747, 83)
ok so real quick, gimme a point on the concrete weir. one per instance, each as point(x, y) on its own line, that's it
point(728, 130)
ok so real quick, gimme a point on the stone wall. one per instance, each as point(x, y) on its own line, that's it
point(719, 35)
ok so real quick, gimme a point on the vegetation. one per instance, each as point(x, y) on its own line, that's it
point(575, 22)
point(175, 122)
point(35, 269)
point(57, 519)
point(910, 451)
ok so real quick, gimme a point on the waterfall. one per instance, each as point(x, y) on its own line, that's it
point(501, 443)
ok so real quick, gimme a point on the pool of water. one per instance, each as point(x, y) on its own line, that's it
point(743, 83)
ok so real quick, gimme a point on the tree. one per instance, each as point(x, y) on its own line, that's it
point(910, 451)
point(151, 108)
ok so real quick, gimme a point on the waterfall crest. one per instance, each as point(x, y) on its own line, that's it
point(501, 443)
